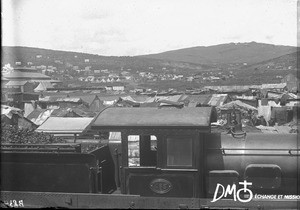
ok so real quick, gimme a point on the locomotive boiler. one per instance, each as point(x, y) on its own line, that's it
point(168, 154)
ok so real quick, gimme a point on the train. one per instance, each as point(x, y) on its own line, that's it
point(165, 158)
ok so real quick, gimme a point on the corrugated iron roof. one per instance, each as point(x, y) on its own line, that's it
point(275, 86)
point(88, 98)
point(140, 98)
point(217, 99)
point(9, 111)
point(43, 86)
point(18, 74)
point(65, 125)
point(52, 98)
point(237, 104)
point(69, 99)
point(16, 83)
point(168, 102)
point(63, 112)
point(39, 116)
point(233, 88)
point(153, 117)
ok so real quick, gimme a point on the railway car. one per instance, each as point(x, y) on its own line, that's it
point(165, 158)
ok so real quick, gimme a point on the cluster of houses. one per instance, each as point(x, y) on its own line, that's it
point(88, 74)
point(149, 76)
point(30, 98)
point(264, 108)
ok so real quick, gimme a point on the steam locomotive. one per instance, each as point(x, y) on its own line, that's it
point(166, 158)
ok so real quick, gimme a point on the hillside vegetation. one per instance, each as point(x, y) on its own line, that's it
point(62, 59)
point(249, 53)
point(232, 64)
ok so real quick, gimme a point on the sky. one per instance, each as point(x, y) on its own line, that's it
point(136, 27)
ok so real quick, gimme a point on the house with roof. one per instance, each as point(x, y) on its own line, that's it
point(237, 104)
point(47, 102)
point(19, 86)
point(39, 116)
point(4, 81)
point(250, 100)
point(279, 87)
point(93, 102)
point(60, 101)
point(43, 86)
point(64, 112)
point(219, 100)
point(19, 99)
point(66, 126)
point(198, 100)
point(26, 76)
point(292, 82)
point(14, 116)
point(70, 101)
point(173, 100)
point(25, 69)
point(232, 89)
point(115, 87)
point(109, 100)
point(88, 103)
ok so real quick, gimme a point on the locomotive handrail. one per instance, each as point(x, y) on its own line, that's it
point(32, 145)
point(42, 147)
point(176, 169)
point(38, 149)
point(289, 151)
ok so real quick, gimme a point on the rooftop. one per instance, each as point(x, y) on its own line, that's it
point(16, 83)
point(65, 125)
point(154, 117)
point(19, 74)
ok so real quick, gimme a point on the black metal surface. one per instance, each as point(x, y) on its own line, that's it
point(106, 171)
point(224, 152)
point(161, 184)
point(92, 201)
point(48, 172)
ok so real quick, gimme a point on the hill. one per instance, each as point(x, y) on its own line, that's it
point(217, 55)
point(285, 62)
point(64, 59)
point(196, 66)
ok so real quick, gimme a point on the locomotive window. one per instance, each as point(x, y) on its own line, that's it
point(142, 150)
point(179, 151)
point(133, 150)
point(266, 176)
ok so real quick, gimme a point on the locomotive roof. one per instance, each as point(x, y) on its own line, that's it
point(154, 117)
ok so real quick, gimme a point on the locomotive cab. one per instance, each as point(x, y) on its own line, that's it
point(161, 149)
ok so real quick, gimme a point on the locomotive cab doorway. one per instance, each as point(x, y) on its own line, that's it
point(142, 150)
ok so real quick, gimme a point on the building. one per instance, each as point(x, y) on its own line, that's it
point(280, 87)
point(43, 86)
point(292, 82)
point(115, 87)
point(26, 76)
point(66, 126)
point(19, 86)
